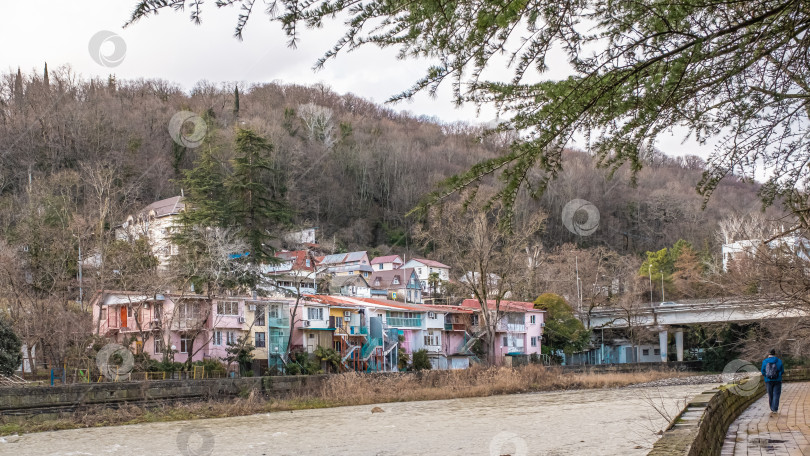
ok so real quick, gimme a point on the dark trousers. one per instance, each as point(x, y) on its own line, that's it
point(774, 391)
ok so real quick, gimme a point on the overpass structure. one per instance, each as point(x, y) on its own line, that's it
point(673, 316)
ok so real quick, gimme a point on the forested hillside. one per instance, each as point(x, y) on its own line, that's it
point(349, 166)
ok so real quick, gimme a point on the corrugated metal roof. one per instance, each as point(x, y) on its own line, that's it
point(164, 207)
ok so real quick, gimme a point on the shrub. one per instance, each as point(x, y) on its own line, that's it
point(421, 361)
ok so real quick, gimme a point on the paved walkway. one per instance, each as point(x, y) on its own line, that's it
point(757, 432)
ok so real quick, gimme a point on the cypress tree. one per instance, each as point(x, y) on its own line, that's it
point(18, 88)
point(236, 102)
point(45, 79)
point(256, 192)
point(10, 349)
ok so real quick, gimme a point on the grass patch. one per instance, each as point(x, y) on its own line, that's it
point(351, 389)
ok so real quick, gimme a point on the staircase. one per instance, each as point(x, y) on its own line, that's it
point(470, 341)
point(351, 349)
point(370, 347)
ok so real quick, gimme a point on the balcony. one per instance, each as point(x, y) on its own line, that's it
point(405, 322)
point(358, 330)
point(279, 322)
point(455, 327)
point(277, 345)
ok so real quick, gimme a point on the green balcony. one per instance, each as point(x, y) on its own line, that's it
point(358, 330)
point(405, 322)
point(281, 322)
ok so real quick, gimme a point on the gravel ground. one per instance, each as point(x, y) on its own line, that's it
point(692, 380)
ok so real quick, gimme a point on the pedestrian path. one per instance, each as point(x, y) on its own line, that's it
point(757, 432)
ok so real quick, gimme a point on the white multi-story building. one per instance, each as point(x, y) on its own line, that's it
point(156, 222)
point(423, 270)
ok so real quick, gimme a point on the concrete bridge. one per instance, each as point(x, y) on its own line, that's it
point(666, 316)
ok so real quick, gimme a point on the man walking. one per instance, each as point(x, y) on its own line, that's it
point(772, 370)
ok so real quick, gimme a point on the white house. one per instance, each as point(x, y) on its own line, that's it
point(155, 222)
point(423, 270)
point(748, 247)
point(387, 263)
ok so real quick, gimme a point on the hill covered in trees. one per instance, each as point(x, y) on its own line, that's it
point(346, 165)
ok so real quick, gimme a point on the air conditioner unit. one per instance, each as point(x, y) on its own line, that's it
point(542, 325)
point(241, 319)
point(347, 313)
point(307, 323)
point(431, 314)
point(252, 307)
point(347, 318)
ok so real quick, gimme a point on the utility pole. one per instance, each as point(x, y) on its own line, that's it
point(579, 289)
point(81, 302)
point(662, 287)
point(649, 268)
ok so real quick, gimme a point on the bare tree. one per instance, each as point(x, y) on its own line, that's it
point(489, 258)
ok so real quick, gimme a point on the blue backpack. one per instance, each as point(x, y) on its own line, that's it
point(771, 372)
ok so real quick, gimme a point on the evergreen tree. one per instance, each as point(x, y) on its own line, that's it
point(236, 101)
point(10, 349)
point(256, 192)
point(563, 331)
point(45, 79)
point(18, 88)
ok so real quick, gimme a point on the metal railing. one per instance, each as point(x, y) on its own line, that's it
point(405, 322)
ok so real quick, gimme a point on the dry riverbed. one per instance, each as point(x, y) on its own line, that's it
point(622, 421)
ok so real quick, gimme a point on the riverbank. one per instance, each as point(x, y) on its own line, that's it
point(607, 422)
point(349, 389)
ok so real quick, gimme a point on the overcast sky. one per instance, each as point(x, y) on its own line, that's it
point(170, 47)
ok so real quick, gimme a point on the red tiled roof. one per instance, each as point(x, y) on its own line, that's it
point(299, 258)
point(431, 263)
point(386, 259)
point(514, 306)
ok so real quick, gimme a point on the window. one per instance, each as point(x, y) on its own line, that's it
point(395, 281)
point(231, 336)
point(187, 310)
point(532, 319)
point(419, 271)
point(129, 312)
point(274, 311)
point(474, 320)
point(158, 345)
point(185, 344)
point(228, 308)
point(657, 352)
point(380, 267)
point(217, 338)
point(645, 352)
point(314, 313)
point(258, 340)
point(308, 263)
point(505, 341)
point(311, 335)
point(533, 341)
point(259, 319)
point(377, 282)
point(365, 274)
point(432, 338)
point(104, 313)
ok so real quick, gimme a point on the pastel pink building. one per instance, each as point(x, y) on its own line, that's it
point(519, 329)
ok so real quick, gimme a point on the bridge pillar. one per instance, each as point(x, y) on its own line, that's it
point(663, 337)
point(679, 344)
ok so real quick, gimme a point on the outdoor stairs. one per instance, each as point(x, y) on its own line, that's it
point(468, 345)
point(348, 354)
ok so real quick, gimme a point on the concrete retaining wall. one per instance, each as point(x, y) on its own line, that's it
point(701, 427)
point(17, 400)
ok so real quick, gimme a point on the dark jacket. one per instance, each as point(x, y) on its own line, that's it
point(780, 368)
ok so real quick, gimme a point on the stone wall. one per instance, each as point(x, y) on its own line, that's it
point(26, 400)
point(701, 427)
